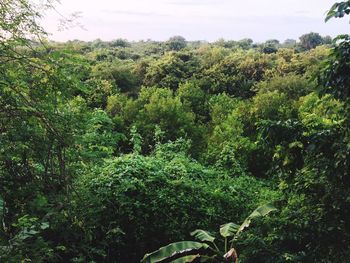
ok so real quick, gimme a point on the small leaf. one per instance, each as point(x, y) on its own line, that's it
point(228, 229)
point(44, 225)
point(203, 235)
point(174, 250)
point(31, 232)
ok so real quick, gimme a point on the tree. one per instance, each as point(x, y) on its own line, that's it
point(171, 69)
point(316, 191)
point(195, 98)
point(118, 72)
point(245, 43)
point(176, 43)
point(120, 43)
point(310, 40)
point(159, 107)
point(289, 43)
point(235, 74)
point(327, 40)
point(270, 46)
point(39, 124)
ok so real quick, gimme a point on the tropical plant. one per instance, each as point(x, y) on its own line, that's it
point(338, 10)
point(207, 249)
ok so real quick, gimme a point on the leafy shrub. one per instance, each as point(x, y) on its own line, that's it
point(133, 204)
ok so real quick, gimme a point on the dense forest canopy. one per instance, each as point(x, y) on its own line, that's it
point(112, 149)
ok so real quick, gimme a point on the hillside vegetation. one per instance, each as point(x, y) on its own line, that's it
point(110, 150)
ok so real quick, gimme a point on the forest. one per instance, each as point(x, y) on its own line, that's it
point(157, 151)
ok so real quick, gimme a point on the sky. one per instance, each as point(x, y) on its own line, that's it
point(207, 20)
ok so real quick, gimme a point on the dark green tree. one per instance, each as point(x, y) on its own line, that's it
point(176, 43)
point(310, 40)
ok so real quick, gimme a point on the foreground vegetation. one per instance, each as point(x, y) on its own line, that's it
point(110, 150)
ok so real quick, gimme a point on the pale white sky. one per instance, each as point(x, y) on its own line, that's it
point(196, 19)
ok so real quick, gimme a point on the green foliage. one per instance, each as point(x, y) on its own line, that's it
point(111, 149)
point(319, 114)
point(200, 250)
point(120, 73)
point(310, 41)
point(160, 107)
point(292, 85)
point(228, 147)
point(98, 93)
point(202, 235)
point(167, 194)
point(174, 251)
point(136, 140)
point(171, 70)
point(27, 244)
point(235, 74)
point(176, 43)
point(338, 10)
point(335, 78)
point(260, 211)
point(99, 140)
point(193, 97)
point(120, 43)
point(270, 46)
point(228, 230)
point(271, 105)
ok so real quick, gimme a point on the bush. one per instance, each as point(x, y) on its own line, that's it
point(134, 204)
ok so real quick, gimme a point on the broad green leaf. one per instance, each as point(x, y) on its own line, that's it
point(229, 229)
point(174, 250)
point(260, 211)
point(202, 235)
point(263, 210)
point(186, 259)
